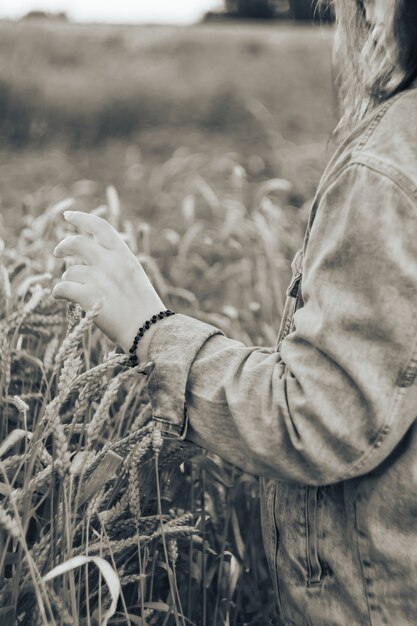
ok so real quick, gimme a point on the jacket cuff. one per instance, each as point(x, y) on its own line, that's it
point(174, 346)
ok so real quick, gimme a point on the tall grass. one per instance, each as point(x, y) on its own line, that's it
point(84, 471)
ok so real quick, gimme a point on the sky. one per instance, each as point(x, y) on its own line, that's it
point(116, 11)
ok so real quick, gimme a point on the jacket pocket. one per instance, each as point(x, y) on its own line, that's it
point(314, 567)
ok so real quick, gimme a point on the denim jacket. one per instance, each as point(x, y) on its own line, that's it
point(327, 417)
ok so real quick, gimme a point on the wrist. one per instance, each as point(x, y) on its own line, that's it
point(142, 349)
point(145, 340)
point(137, 320)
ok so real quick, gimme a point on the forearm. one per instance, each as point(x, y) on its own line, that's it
point(296, 416)
point(336, 399)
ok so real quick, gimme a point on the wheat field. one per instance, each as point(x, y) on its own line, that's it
point(145, 531)
point(102, 521)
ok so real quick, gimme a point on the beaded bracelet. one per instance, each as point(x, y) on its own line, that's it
point(133, 359)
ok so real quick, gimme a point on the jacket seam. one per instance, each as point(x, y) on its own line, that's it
point(385, 428)
point(379, 437)
point(411, 192)
point(364, 583)
point(374, 123)
point(361, 145)
point(389, 171)
point(399, 391)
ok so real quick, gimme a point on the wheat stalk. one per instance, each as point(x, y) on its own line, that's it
point(73, 338)
point(62, 458)
point(115, 547)
point(102, 413)
point(68, 374)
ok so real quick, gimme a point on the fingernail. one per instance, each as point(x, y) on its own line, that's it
point(68, 214)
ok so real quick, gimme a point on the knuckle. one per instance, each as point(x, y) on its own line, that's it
point(102, 225)
point(102, 221)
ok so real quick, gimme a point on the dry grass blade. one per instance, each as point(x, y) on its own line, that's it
point(106, 570)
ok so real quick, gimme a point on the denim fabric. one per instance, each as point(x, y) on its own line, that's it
point(326, 417)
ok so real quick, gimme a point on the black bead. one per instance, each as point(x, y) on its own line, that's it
point(133, 360)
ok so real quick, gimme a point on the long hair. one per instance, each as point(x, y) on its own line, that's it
point(370, 69)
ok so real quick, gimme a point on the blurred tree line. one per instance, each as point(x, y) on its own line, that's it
point(46, 15)
point(303, 10)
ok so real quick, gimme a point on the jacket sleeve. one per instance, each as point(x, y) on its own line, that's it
point(340, 394)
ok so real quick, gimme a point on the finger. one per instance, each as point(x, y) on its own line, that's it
point(100, 228)
point(77, 274)
point(69, 291)
point(79, 245)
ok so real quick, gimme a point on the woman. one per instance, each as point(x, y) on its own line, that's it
point(327, 419)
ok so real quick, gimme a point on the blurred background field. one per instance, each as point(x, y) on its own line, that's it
point(203, 145)
point(108, 103)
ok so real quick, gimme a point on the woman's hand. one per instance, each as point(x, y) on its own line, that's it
point(110, 273)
